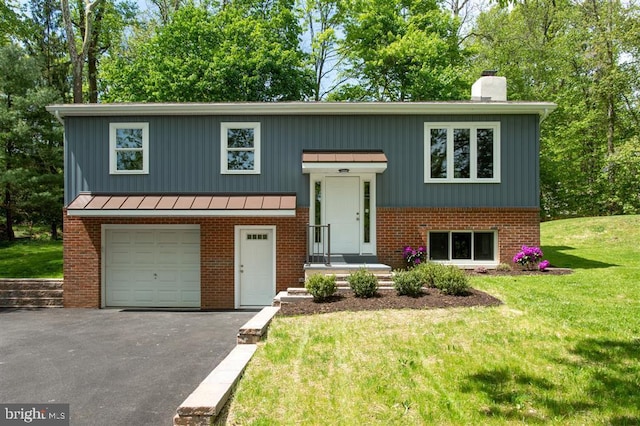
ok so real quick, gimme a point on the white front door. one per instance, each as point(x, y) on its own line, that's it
point(255, 269)
point(343, 213)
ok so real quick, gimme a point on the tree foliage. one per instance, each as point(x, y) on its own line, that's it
point(30, 144)
point(403, 50)
point(245, 51)
point(581, 55)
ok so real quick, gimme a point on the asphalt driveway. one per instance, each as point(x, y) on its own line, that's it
point(113, 367)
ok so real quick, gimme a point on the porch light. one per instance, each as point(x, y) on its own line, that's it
point(343, 170)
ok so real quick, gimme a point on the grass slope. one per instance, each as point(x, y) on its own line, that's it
point(31, 259)
point(562, 350)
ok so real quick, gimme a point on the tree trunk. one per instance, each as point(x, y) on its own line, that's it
point(11, 236)
point(78, 57)
point(54, 231)
point(92, 56)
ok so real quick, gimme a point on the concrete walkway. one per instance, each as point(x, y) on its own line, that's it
point(112, 367)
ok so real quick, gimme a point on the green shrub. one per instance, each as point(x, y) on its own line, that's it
point(321, 286)
point(453, 281)
point(504, 267)
point(363, 283)
point(429, 273)
point(407, 283)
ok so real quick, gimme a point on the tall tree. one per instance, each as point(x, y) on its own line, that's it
point(11, 24)
point(579, 54)
point(47, 43)
point(110, 21)
point(403, 50)
point(25, 128)
point(78, 54)
point(324, 22)
point(245, 51)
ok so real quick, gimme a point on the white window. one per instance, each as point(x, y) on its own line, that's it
point(129, 148)
point(462, 246)
point(462, 152)
point(240, 148)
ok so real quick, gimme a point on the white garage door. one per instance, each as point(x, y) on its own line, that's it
point(152, 267)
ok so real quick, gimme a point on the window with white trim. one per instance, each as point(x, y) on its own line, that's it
point(462, 246)
point(462, 152)
point(240, 148)
point(129, 148)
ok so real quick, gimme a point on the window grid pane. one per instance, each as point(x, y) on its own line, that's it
point(485, 153)
point(461, 153)
point(129, 160)
point(439, 153)
point(461, 245)
point(128, 138)
point(240, 160)
point(483, 246)
point(439, 246)
point(240, 138)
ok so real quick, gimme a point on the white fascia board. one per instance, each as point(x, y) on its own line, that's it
point(318, 167)
point(183, 213)
point(303, 108)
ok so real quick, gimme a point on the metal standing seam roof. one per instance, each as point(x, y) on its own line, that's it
point(343, 157)
point(175, 205)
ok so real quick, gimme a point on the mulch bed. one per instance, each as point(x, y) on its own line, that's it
point(344, 300)
point(433, 298)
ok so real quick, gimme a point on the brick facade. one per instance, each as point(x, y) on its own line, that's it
point(396, 227)
point(82, 254)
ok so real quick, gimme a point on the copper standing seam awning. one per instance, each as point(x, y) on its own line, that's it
point(343, 161)
point(182, 205)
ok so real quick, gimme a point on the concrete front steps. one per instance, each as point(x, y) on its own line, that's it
point(31, 293)
point(341, 271)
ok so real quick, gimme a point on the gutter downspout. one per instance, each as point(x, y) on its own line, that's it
point(56, 114)
point(543, 117)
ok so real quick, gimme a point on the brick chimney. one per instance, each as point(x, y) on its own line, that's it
point(489, 87)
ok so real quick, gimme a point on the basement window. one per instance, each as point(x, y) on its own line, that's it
point(462, 246)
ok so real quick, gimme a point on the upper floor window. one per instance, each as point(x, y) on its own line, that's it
point(240, 143)
point(462, 152)
point(129, 148)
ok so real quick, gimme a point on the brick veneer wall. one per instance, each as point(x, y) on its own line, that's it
point(398, 227)
point(82, 255)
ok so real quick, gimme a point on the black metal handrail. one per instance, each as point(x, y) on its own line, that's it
point(319, 244)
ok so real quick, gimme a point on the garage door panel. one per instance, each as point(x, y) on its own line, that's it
point(153, 267)
point(142, 256)
point(120, 255)
point(117, 237)
point(190, 297)
point(190, 258)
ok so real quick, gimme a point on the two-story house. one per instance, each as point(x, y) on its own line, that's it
point(219, 205)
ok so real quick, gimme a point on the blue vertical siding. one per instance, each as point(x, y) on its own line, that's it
point(184, 156)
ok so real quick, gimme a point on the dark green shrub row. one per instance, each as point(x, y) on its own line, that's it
point(407, 283)
point(448, 279)
point(363, 283)
point(321, 286)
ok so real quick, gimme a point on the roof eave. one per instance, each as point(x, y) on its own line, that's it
point(303, 108)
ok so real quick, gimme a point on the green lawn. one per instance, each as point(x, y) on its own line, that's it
point(31, 259)
point(561, 350)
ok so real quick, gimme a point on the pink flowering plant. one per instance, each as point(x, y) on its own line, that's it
point(415, 256)
point(542, 266)
point(529, 257)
